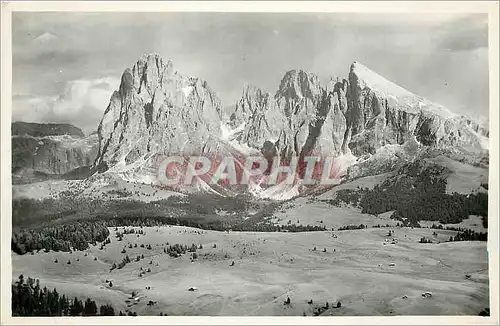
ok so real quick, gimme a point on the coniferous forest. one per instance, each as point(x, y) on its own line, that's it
point(59, 237)
point(414, 195)
point(30, 299)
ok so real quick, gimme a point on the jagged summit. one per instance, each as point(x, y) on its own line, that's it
point(253, 99)
point(151, 55)
point(157, 110)
point(298, 84)
point(256, 110)
point(154, 57)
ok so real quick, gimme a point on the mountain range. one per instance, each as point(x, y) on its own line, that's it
point(368, 123)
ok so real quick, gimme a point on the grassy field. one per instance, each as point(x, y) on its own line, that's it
point(465, 178)
point(315, 212)
point(472, 223)
point(366, 273)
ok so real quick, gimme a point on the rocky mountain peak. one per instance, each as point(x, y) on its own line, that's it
point(253, 100)
point(305, 105)
point(382, 112)
point(363, 76)
point(358, 114)
point(157, 110)
point(298, 85)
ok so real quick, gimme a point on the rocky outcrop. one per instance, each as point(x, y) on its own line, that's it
point(50, 149)
point(157, 110)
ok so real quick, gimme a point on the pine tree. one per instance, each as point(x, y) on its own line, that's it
point(106, 310)
point(90, 308)
point(76, 308)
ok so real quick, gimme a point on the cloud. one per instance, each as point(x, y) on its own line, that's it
point(82, 104)
point(465, 34)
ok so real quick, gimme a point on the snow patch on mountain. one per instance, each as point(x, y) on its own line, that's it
point(371, 79)
point(398, 95)
point(281, 191)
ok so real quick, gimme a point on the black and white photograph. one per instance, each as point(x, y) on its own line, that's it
point(309, 164)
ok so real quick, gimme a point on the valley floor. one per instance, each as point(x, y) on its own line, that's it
point(366, 273)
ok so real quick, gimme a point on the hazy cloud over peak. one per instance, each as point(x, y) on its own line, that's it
point(80, 103)
point(465, 34)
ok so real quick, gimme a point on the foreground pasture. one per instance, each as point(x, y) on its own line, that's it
point(363, 269)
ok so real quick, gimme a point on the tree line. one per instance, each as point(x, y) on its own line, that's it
point(416, 194)
point(462, 235)
point(469, 235)
point(60, 237)
point(77, 235)
point(29, 299)
point(353, 227)
point(270, 227)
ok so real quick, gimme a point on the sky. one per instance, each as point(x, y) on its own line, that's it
point(66, 65)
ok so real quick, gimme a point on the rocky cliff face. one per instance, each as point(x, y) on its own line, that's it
point(381, 112)
point(359, 114)
point(253, 99)
point(157, 110)
point(50, 149)
point(45, 129)
point(302, 118)
point(313, 118)
point(256, 110)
